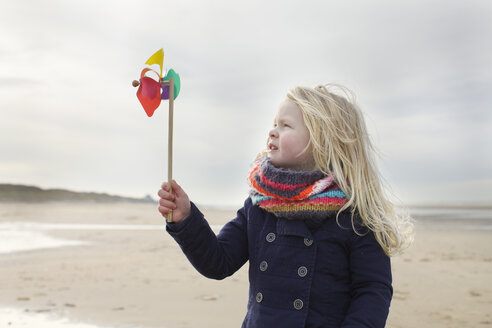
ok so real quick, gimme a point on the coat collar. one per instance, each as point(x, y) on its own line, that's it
point(293, 228)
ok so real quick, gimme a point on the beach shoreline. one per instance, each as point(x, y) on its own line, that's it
point(140, 278)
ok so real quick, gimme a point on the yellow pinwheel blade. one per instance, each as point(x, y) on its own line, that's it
point(157, 58)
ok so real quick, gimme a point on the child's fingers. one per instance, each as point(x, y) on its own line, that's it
point(165, 186)
point(164, 210)
point(177, 191)
point(176, 188)
point(166, 203)
point(175, 201)
point(165, 195)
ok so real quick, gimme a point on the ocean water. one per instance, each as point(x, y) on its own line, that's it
point(475, 219)
point(28, 236)
point(19, 240)
point(10, 317)
point(452, 213)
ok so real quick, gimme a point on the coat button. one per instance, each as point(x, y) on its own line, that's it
point(302, 271)
point(259, 297)
point(308, 242)
point(298, 304)
point(263, 265)
point(270, 237)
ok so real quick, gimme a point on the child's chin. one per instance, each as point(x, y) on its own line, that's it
point(275, 163)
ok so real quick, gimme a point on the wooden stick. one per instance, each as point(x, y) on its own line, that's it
point(170, 143)
point(136, 83)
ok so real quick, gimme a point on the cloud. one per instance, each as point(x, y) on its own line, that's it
point(14, 82)
point(421, 72)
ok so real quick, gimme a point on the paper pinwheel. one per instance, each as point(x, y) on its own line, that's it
point(151, 92)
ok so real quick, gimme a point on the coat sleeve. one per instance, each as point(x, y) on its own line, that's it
point(213, 256)
point(371, 289)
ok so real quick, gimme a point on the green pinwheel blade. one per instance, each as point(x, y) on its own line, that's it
point(171, 74)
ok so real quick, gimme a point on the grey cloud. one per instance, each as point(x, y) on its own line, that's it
point(236, 63)
point(14, 82)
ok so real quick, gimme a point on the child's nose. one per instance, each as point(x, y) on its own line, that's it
point(273, 133)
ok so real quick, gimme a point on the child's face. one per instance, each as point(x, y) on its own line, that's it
point(287, 141)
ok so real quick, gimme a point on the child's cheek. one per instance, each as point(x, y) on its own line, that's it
point(289, 144)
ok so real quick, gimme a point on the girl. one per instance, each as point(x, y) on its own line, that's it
point(317, 228)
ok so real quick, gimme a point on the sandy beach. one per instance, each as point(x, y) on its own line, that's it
point(115, 266)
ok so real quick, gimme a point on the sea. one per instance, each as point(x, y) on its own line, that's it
point(11, 317)
point(479, 219)
point(448, 213)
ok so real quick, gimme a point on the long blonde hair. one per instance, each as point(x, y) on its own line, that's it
point(341, 146)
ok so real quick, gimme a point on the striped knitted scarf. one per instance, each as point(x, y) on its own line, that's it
point(294, 194)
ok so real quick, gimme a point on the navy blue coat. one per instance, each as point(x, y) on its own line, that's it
point(299, 277)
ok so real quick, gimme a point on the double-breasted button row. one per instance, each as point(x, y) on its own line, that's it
point(302, 271)
point(298, 304)
point(270, 237)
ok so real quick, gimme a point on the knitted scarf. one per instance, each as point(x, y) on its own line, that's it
point(294, 194)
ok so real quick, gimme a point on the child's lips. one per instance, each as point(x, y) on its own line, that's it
point(272, 147)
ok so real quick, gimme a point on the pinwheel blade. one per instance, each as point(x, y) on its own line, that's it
point(149, 104)
point(149, 86)
point(177, 84)
point(156, 59)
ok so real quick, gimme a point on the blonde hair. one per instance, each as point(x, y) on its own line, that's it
point(341, 146)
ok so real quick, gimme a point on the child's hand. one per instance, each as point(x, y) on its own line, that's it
point(176, 202)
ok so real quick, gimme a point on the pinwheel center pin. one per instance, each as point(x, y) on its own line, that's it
point(150, 93)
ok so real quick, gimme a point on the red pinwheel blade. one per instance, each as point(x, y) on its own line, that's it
point(149, 94)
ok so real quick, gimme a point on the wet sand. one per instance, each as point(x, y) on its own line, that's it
point(139, 278)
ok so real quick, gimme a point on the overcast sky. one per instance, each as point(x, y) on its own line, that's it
point(421, 70)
